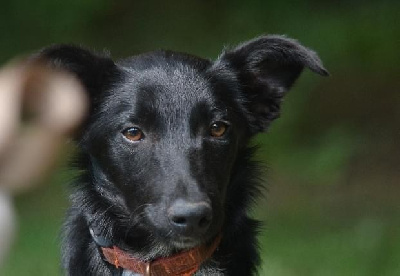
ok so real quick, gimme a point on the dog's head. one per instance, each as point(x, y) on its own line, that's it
point(166, 130)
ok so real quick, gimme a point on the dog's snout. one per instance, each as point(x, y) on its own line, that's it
point(190, 217)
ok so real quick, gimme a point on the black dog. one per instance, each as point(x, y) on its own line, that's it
point(165, 156)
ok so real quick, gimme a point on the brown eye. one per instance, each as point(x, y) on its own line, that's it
point(218, 129)
point(133, 134)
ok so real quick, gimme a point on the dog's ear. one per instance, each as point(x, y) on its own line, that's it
point(93, 70)
point(266, 68)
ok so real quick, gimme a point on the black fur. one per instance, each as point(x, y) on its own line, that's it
point(126, 188)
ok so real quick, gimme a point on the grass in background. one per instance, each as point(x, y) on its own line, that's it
point(36, 250)
point(312, 245)
point(321, 243)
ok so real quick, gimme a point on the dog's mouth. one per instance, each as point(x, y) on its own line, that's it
point(174, 243)
point(182, 244)
point(185, 243)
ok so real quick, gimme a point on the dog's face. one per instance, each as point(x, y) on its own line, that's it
point(167, 139)
point(166, 129)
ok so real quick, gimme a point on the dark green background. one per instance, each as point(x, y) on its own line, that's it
point(332, 206)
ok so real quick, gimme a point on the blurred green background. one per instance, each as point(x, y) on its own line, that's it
point(333, 200)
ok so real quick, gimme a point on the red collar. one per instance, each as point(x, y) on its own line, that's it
point(182, 264)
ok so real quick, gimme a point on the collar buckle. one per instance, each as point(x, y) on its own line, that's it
point(148, 269)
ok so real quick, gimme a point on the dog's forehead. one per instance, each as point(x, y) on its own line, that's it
point(179, 86)
point(168, 90)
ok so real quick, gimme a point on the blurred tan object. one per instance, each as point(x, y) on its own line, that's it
point(55, 104)
point(38, 108)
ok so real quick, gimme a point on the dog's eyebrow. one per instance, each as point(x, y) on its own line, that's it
point(218, 111)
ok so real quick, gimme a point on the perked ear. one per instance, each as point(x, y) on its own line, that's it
point(266, 68)
point(94, 71)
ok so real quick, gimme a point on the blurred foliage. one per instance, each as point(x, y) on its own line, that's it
point(334, 155)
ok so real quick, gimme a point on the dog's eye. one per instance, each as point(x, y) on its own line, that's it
point(133, 134)
point(218, 129)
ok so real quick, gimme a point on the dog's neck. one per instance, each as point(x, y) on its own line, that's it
point(185, 263)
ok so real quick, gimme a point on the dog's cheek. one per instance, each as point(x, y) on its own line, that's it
point(116, 163)
point(219, 161)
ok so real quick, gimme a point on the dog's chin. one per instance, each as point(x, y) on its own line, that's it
point(185, 243)
point(160, 248)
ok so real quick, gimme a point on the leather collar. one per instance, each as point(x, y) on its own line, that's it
point(182, 264)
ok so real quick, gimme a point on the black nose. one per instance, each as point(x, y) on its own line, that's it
point(190, 217)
